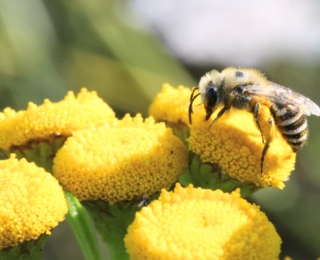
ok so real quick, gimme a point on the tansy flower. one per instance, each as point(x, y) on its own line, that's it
point(234, 143)
point(135, 157)
point(31, 202)
point(171, 106)
point(52, 119)
point(195, 223)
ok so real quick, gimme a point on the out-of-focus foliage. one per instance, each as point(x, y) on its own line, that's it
point(295, 210)
point(49, 47)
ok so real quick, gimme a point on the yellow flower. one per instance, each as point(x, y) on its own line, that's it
point(132, 158)
point(195, 223)
point(235, 144)
point(53, 119)
point(31, 202)
point(171, 105)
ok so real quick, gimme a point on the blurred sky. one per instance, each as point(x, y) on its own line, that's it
point(239, 33)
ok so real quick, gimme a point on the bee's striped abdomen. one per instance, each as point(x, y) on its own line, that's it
point(292, 123)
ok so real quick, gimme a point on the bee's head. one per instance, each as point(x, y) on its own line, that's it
point(209, 90)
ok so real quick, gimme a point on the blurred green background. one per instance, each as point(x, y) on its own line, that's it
point(50, 47)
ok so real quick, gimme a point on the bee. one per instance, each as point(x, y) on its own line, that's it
point(248, 89)
point(145, 201)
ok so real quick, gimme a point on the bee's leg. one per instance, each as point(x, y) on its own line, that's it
point(221, 112)
point(268, 140)
point(256, 110)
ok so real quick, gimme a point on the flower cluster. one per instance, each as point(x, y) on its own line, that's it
point(107, 163)
point(233, 142)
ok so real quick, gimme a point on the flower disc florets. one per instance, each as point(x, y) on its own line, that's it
point(234, 143)
point(31, 202)
point(53, 119)
point(135, 157)
point(171, 105)
point(195, 223)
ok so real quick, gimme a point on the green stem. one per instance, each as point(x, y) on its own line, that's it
point(80, 223)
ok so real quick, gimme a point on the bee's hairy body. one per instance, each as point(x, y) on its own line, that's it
point(292, 124)
point(248, 89)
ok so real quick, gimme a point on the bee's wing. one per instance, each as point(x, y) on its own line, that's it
point(280, 94)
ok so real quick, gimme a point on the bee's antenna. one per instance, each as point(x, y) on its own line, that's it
point(192, 99)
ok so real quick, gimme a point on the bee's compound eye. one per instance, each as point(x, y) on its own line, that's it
point(239, 74)
point(239, 89)
point(211, 98)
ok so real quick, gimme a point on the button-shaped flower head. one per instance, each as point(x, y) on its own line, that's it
point(53, 119)
point(171, 105)
point(134, 157)
point(195, 223)
point(31, 202)
point(234, 143)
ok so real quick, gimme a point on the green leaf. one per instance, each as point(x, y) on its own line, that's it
point(28, 250)
point(112, 221)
